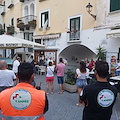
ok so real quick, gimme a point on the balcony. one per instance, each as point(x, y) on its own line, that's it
point(27, 21)
point(3, 10)
point(73, 36)
point(10, 4)
point(10, 30)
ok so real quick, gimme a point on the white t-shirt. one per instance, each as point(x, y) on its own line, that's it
point(6, 77)
point(16, 63)
point(50, 71)
point(81, 75)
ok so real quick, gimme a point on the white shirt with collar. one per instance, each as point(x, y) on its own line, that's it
point(16, 63)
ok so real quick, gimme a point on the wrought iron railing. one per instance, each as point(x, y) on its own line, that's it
point(27, 21)
point(73, 35)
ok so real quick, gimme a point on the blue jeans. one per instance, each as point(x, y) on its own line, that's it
point(60, 79)
point(117, 73)
point(81, 83)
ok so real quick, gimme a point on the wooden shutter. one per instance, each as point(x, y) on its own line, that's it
point(114, 5)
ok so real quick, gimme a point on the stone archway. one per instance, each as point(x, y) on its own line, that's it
point(75, 53)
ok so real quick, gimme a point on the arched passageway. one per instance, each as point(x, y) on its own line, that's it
point(75, 53)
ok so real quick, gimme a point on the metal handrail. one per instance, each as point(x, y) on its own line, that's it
point(74, 35)
point(26, 19)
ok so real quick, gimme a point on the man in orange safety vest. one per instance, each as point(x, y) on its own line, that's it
point(23, 102)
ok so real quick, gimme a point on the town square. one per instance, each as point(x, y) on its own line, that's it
point(60, 60)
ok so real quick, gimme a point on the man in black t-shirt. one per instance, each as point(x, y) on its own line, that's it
point(99, 97)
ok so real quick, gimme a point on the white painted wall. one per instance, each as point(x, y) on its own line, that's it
point(1, 20)
point(91, 39)
point(104, 16)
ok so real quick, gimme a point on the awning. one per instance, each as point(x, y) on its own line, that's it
point(10, 42)
point(49, 36)
point(114, 34)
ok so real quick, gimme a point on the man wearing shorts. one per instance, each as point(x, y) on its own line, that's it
point(60, 74)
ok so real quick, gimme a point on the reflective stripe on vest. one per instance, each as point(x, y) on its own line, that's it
point(22, 117)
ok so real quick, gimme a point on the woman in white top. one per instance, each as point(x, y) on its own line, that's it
point(81, 74)
point(50, 77)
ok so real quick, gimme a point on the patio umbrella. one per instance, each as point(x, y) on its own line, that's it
point(10, 42)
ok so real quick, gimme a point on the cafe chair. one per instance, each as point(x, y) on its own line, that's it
point(41, 70)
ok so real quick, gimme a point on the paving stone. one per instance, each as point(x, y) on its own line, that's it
point(63, 106)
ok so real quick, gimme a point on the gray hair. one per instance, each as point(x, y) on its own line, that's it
point(3, 63)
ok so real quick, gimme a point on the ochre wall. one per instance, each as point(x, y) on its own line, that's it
point(15, 12)
point(60, 11)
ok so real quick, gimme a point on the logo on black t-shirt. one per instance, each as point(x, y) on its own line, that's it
point(105, 98)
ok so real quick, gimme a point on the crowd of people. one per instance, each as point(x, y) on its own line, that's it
point(26, 101)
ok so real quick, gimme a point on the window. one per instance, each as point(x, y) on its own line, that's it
point(4, 27)
point(44, 18)
point(114, 5)
point(38, 41)
point(28, 36)
point(4, 3)
point(12, 22)
point(44, 41)
point(75, 28)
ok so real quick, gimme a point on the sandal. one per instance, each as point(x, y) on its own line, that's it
point(51, 93)
point(59, 92)
point(47, 93)
point(78, 104)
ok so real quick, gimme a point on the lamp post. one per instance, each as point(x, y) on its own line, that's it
point(89, 9)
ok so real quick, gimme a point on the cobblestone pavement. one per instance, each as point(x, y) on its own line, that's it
point(63, 106)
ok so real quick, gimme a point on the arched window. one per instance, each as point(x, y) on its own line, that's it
point(32, 11)
point(25, 15)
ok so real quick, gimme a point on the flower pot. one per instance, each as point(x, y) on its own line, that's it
point(70, 88)
point(74, 30)
point(68, 32)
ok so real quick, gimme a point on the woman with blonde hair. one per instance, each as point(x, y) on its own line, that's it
point(81, 74)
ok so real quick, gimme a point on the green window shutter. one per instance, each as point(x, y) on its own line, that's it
point(12, 21)
point(75, 28)
point(75, 24)
point(4, 27)
point(114, 5)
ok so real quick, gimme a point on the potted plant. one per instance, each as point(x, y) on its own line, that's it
point(101, 53)
point(70, 82)
point(74, 30)
point(68, 31)
point(19, 25)
point(32, 22)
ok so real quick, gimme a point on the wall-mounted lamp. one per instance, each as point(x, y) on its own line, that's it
point(2, 5)
point(89, 9)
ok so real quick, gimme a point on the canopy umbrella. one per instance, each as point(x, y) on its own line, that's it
point(10, 42)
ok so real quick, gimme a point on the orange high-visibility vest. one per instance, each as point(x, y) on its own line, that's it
point(22, 101)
